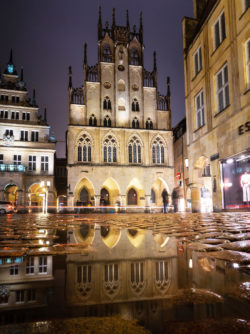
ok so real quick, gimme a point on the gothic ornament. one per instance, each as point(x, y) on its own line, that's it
point(135, 87)
point(107, 85)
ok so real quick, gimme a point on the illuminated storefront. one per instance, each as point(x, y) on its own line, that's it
point(236, 181)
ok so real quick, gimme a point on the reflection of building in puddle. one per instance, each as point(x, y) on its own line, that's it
point(126, 265)
point(24, 282)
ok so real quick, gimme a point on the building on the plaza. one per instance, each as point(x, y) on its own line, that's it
point(119, 141)
point(61, 182)
point(217, 82)
point(180, 195)
point(26, 147)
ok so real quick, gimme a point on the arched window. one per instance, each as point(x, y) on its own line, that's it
point(107, 121)
point(134, 57)
point(107, 103)
point(134, 150)
point(135, 105)
point(92, 120)
point(84, 196)
point(132, 197)
point(110, 149)
point(158, 151)
point(84, 149)
point(149, 124)
point(135, 123)
point(106, 54)
point(104, 197)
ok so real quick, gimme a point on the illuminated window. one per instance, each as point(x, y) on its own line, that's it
point(32, 163)
point(219, 30)
point(44, 163)
point(158, 151)
point(247, 47)
point(222, 88)
point(43, 266)
point(197, 61)
point(84, 150)
point(199, 109)
point(134, 150)
point(110, 150)
point(30, 266)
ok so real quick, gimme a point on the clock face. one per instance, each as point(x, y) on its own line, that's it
point(10, 69)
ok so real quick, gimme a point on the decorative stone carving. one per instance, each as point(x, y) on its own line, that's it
point(107, 85)
point(135, 87)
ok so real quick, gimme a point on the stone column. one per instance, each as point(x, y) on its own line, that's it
point(148, 203)
point(97, 202)
point(123, 203)
point(196, 199)
point(70, 202)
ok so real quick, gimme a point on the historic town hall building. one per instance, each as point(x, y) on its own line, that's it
point(119, 139)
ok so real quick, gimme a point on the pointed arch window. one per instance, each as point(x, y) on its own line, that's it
point(134, 57)
point(135, 123)
point(149, 124)
point(132, 197)
point(107, 121)
point(106, 53)
point(135, 105)
point(134, 150)
point(84, 149)
point(158, 151)
point(107, 103)
point(92, 120)
point(110, 150)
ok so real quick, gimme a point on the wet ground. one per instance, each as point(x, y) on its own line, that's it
point(178, 273)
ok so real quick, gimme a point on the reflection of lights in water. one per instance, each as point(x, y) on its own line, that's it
point(206, 205)
point(246, 285)
point(190, 264)
point(40, 242)
point(227, 184)
point(181, 204)
point(165, 242)
point(47, 242)
point(236, 265)
point(42, 231)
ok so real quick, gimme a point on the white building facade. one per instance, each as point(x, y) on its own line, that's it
point(119, 139)
point(26, 148)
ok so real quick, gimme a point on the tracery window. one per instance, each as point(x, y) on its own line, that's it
point(134, 57)
point(149, 124)
point(158, 151)
point(135, 105)
point(106, 54)
point(92, 120)
point(134, 150)
point(135, 123)
point(84, 149)
point(161, 275)
point(107, 103)
point(107, 121)
point(110, 149)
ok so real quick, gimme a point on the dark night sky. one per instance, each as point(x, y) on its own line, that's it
point(48, 35)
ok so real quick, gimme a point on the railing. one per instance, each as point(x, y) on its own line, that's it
point(12, 168)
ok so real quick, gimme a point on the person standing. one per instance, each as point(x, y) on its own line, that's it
point(165, 200)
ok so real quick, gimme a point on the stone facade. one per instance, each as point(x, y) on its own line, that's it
point(217, 81)
point(119, 140)
point(26, 148)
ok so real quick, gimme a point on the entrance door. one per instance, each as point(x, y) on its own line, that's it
point(104, 197)
point(84, 196)
point(132, 197)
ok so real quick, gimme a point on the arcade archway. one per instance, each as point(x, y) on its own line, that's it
point(10, 193)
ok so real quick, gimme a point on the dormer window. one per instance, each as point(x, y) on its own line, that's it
point(106, 54)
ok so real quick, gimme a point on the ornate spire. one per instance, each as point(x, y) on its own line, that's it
point(85, 54)
point(141, 29)
point(11, 57)
point(127, 17)
point(100, 23)
point(34, 98)
point(21, 76)
point(168, 93)
point(155, 64)
point(45, 115)
point(70, 77)
point(113, 18)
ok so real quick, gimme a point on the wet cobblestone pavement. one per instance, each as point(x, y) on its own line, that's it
point(207, 258)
